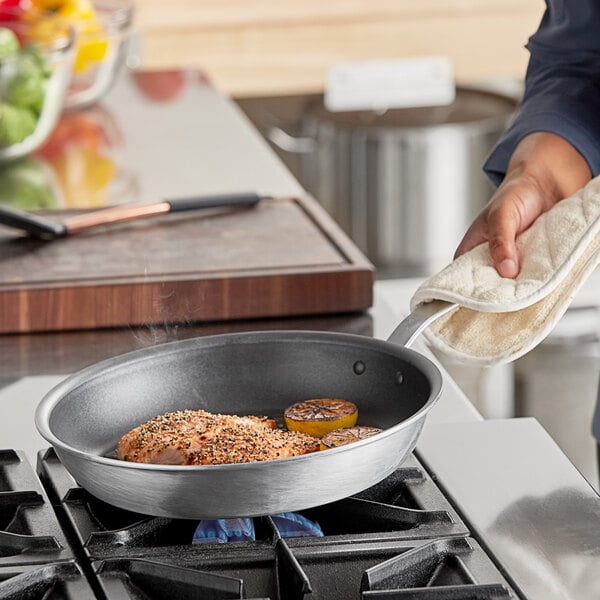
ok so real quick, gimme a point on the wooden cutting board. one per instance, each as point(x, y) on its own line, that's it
point(284, 257)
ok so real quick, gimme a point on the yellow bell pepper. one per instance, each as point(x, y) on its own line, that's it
point(92, 44)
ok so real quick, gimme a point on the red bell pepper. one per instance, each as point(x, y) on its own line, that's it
point(13, 10)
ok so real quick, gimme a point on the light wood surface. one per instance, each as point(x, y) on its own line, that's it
point(265, 47)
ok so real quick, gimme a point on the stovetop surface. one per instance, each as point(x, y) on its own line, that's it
point(401, 538)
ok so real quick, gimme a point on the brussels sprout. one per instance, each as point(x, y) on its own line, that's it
point(27, 89)
point(16, 124)
point(33, 53)
point(23, 86)
point(9, 44)
point(25, 185)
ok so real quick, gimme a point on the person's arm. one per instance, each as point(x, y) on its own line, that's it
point(552, 148)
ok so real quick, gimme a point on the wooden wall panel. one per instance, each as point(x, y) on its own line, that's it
point(262, 47)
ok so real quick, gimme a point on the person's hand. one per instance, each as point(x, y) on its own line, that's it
point(543, 169)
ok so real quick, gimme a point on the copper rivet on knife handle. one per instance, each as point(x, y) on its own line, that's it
point(116, 214)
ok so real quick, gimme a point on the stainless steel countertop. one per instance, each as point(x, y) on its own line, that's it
point(527, 502)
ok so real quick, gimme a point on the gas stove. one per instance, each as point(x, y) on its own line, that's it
point(401, 538)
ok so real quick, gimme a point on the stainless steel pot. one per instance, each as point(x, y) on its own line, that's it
point(259, 373)
point(404, 184)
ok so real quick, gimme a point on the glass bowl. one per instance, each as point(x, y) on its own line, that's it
point(88, 156)
point(103, 28)
point(35, 63)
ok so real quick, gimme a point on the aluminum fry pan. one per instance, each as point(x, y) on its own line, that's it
point(258, 373)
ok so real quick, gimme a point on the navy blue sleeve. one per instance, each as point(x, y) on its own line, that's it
point(562, 85)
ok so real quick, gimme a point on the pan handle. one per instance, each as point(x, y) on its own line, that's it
point(420, 318)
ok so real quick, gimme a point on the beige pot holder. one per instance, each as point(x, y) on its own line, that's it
point(498, 319)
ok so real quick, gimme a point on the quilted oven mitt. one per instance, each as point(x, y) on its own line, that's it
point(498, 319)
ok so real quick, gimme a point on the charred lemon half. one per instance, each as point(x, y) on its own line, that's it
point(347, 435)
point(320, 415)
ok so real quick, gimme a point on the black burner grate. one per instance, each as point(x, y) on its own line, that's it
point(53, 581)
point(415, 569)
point(398, 539)
point(407, 505)
point(29, 530)
point(139, 578)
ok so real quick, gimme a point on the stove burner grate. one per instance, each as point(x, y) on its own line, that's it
point(399, 539)
point(29, 530)
point(55, 581)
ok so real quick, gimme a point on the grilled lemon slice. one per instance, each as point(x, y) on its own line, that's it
point(320, 415)
point(347, 435)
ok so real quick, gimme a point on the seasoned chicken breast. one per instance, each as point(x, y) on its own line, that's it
point(197, 437)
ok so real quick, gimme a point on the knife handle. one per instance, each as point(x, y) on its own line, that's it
point(130, 212)
point(35, 225)
point(216, 201)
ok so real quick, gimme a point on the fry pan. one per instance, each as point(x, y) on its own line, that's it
point(256, 373)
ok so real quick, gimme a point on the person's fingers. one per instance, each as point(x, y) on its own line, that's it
point(510, 213)
point(514, 206)
point(502, 232)
point(475, 235)
point(496, 225)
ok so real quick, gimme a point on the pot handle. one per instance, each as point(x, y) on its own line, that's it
point(289, 143)
point(420, 318)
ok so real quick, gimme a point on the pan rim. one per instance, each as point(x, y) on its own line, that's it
point(72, 382)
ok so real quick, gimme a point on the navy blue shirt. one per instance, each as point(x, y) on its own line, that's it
point(562, 85)
point(562, 91)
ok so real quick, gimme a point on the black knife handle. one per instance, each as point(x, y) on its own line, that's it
point(216, 201)
point(35, 225)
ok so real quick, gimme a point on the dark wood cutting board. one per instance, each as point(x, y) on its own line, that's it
point(284, 257)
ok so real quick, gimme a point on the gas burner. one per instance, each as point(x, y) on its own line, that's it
point(399, 539)
point(406, 505)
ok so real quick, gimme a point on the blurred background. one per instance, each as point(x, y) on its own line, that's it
point(403, 181)
point(270, 48)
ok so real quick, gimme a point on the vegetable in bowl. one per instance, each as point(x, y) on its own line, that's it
point(34, 74)
point(29, 184)
point(103, 31)
point(24, 75)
